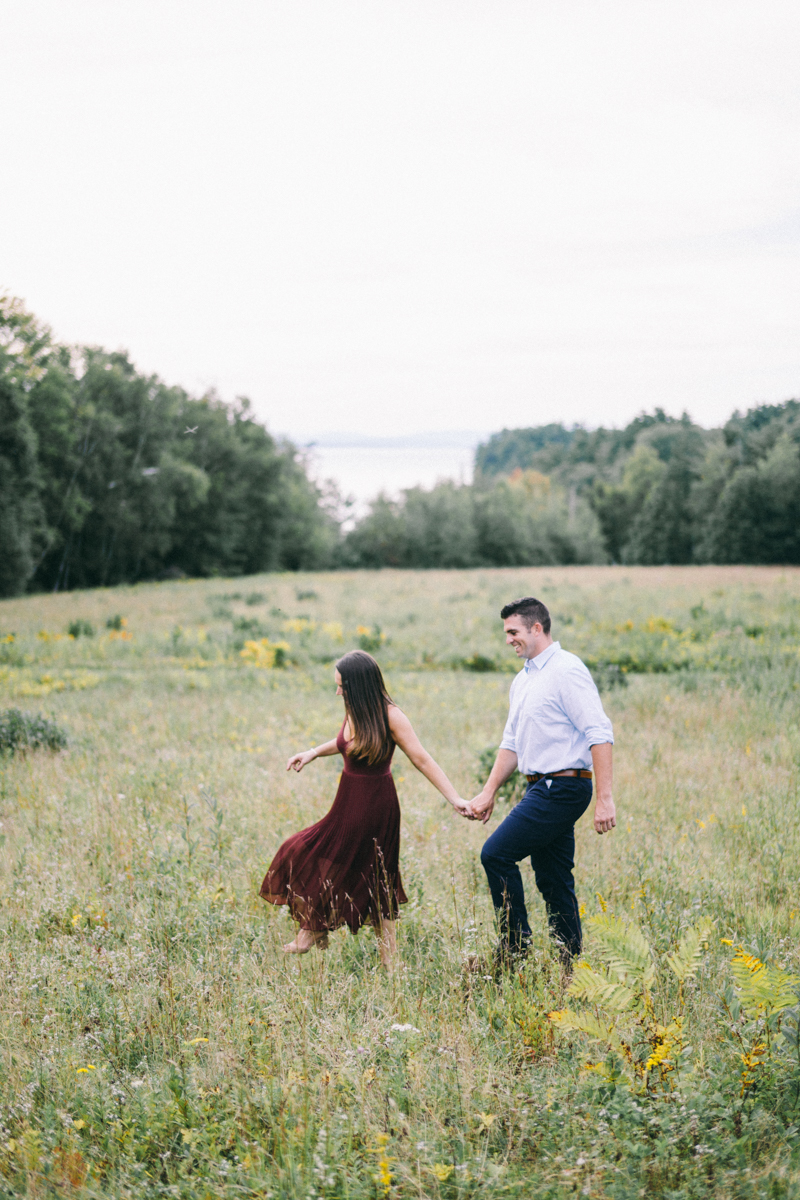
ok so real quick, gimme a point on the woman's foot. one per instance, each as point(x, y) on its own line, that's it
point(387, 943)
point(306, 940)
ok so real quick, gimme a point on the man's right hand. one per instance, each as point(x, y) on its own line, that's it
point(482, 806)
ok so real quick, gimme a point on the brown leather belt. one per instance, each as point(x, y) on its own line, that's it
point(575, 772)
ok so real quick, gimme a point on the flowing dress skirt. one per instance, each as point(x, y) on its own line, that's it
point(345, 869)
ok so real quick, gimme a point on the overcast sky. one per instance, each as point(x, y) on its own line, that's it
point(398, 217)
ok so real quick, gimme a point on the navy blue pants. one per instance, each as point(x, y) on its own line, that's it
point(542, 825)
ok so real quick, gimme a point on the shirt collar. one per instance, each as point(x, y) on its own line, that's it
point(541, 659)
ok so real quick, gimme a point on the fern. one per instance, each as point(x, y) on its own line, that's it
point(689, 953)
point(763, 990)
point(625, 949)
point(598, 989)
point(624, 1016)
point(589, 1024)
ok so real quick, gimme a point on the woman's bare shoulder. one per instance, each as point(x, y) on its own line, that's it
point(397, 718)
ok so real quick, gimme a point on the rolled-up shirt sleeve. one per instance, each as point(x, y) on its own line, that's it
point(509, 741)
point(583, 706)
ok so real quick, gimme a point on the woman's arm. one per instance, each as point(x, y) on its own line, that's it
point(409, 743)
point(298, 761)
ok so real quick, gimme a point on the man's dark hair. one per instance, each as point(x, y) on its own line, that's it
point(530, 609)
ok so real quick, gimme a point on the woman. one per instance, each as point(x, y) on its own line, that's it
point(344, 870)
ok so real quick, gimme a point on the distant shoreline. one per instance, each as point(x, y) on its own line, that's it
point(460, 439)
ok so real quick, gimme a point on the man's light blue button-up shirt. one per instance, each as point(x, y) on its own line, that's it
point(555, 714)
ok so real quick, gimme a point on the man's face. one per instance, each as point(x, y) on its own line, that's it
point(520, 637)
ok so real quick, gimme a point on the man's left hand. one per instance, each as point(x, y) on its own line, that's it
point(605, 815)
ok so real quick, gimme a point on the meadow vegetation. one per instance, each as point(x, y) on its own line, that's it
point(155, 1042)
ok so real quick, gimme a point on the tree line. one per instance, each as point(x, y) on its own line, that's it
point(661, 490)
point(665, 490)
point(108, 475)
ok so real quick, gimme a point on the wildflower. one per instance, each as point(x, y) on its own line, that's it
point(197, 1041)
point(582, 911)
point(486, 1121)
point(85, 1070)
point(265, 654)
point(600, 1068)
point(726, 941)
point(660, 1055)
point(748, 960)
point(603, 904)
point(299, 625)
point(384, 1176)
point(442, 1171)
point(404, 1029)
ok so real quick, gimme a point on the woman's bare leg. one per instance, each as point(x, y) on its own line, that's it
point(387, 942)
point(305, 940)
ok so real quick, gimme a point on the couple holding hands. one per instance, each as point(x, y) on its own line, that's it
point(345, 869)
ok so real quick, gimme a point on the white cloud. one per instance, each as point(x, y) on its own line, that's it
point(417, 216)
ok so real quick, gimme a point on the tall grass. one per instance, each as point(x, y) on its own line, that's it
point(155, 1041)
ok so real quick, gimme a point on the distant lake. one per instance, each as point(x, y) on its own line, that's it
point(364, 471)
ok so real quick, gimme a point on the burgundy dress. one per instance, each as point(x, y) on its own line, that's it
point(344, 870)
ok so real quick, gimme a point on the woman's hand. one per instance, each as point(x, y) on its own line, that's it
point(464, 809)
point(298, 761)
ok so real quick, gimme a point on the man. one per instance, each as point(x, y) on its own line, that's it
point(556, 731)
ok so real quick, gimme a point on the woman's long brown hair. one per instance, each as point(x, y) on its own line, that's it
point(367, 703)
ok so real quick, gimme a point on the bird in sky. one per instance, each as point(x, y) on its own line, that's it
point(188, 430)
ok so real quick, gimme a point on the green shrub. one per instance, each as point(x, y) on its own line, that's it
point(81, 628)
point(608, 676)
point(513, 789)
point(115, 622)
point(10, 652)
point(476, 662)
point(28, 731)
point(370, 639)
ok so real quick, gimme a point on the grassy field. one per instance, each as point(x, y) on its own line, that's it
point(154, 1040)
